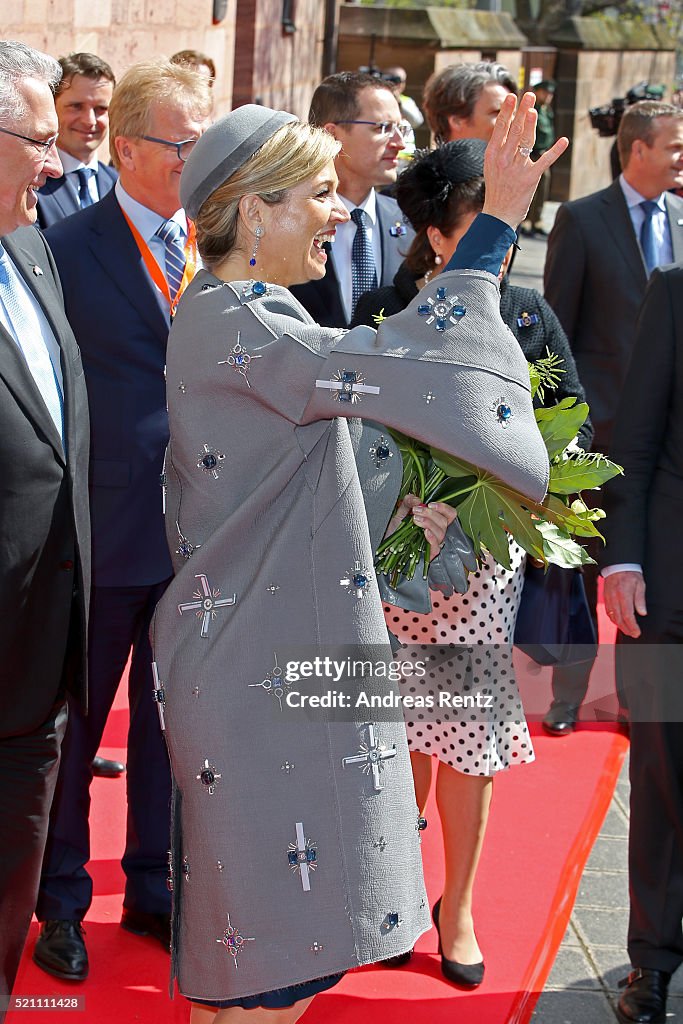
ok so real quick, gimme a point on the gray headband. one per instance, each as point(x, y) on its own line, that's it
point(223, 148)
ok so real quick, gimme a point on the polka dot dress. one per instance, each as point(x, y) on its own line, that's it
point(467, 710)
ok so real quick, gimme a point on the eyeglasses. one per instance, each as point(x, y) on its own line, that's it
point(384, 128)
point(183, 149)
point(44, 145)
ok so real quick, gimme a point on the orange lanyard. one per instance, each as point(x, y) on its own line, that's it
point(155, 271)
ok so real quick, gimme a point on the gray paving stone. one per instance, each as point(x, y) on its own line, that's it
point(674, 1010)
point(601, 927)
point(612, 963)
point(573, 1008)
point(608, 854)
point(607, 889)
point(572, 970)
point(615, 823)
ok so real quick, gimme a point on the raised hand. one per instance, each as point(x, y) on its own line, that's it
point(510, 174)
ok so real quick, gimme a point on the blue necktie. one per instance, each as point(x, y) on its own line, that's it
point(84, 176)
point(171, 234)
point(363, 271)
point(648, 242)
point(27, 332)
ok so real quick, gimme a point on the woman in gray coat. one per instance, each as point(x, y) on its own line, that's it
point(296, 834)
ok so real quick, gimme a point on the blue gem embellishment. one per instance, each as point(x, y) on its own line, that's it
point(255, 289)
point(380, 451)
point(302, 856)
point(441, 310)
point(503, 411)
point(356, 580)
point(391, 921)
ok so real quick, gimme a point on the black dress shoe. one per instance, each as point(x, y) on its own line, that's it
point(60, 950)
point(644, 997)
point(157, 926)
point(105, 769)
point(462, 975)
point(561, 718)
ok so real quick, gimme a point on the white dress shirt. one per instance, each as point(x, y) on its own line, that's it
point(343, 242)
point(660, 221)
point(71, 167)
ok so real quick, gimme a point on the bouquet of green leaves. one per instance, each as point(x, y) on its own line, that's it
point(489, 511)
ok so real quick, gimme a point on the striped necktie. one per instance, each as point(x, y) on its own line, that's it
point(363, 272)
point(170, 233)
point(648, 242)
point(84, 176)
point(28, 335)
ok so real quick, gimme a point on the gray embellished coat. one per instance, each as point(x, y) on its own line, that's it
point(296, 841)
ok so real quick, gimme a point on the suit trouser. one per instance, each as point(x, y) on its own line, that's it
point(570, 682)
point(28, 772)
point(653, 676)
point(119, 620)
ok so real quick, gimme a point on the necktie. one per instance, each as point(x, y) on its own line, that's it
point(171, 234)
point(648, 242)
point(84, 176)
point(363, 272)
point(28, 335)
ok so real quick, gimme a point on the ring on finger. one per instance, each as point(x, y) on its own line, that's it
point(524, 150)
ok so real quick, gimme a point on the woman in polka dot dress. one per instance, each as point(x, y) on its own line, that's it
point(441, 193)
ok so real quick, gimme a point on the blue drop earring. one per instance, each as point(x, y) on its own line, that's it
point(257, 241)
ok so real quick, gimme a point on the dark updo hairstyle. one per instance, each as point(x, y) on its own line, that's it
point(437, 188)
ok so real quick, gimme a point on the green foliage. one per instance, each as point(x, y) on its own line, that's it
point(489, 511)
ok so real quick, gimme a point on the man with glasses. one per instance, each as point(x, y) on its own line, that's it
point(44, 528)
point(82, 102)
point(363, 113)
point(123, 263)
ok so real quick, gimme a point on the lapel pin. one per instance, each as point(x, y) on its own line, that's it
point(397, 230)
point(37, 271)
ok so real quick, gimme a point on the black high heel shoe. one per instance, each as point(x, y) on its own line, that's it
point(463, 975)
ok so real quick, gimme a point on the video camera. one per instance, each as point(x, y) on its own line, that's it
point(606, 119)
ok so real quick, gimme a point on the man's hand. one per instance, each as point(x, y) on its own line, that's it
point(624, 596)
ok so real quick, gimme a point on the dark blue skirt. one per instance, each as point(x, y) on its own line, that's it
point(279, 998)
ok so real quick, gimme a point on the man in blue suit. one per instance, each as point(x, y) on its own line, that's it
point(82, 103)
point(123, 262)
point(363, 113)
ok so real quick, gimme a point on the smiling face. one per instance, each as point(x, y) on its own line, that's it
point(480, 123)
point(654, 169)
point(294, 231)
point(368, 158)
point(24, 167)
point(150, 172)
point(83, 112)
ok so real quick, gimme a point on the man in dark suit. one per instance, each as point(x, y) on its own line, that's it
point(44, 527)
point(600, 253)
point(82, 103)
point(363, 113)
point(645, 549)
point(123, 265)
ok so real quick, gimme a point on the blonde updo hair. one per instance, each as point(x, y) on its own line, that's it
point(294, 153)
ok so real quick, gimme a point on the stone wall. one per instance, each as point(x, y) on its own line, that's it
point(595, 63)
point(253, 57)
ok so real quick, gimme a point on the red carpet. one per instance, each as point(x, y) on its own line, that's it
point(544, 820)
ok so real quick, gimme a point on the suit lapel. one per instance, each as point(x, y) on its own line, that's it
point(330, 285)
point(14, 368)
point(115, 249)
point(387, 217)
point(617, 220)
